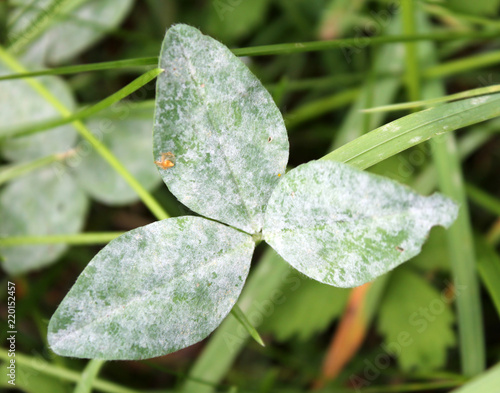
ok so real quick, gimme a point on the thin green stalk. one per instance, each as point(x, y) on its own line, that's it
point(15, 170)
point(493, 235)
point(145, 196)
point(46, 368)
point(301, 47)
point(133, 86)
point(460, 245)
point(442, 70)
point(412, 75)
point(319, 107)
point(412, 130)
point(241, 317)
point(38, 25)
point(108, 65)
point(439, 100)
point(77, 239)
point(438, 10)
point(461, 65)
point(483, 199)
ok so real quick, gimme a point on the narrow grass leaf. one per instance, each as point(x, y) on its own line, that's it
point(75, 69)
point(345, 227)
point(439, 100)
point(488, 265)
point(486, 382)
point(413, 129)
point(223, 128)
point(153, 291)
point(241, 317)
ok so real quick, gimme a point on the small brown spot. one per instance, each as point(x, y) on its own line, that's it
point(270, 139)
point(166, 161)
point(400, 249)
point(292, 194)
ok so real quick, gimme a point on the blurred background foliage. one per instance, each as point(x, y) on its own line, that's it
point(399, 333)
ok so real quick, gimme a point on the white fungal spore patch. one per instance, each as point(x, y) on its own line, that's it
point(153, 291)
point(345, 227)
point(222, 125)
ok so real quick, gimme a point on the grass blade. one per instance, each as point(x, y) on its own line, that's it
point(438, 100)
point(108, 65)
point(413, 129)
point(78, 239)
point(488, 265)
point(485, 383)
point(459, 236)
point(241, 317)
point(301, 47)
point(483, 199)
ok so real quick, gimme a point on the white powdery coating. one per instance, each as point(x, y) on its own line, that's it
point(223, 127)
point(21, 106)
point(43, 202)
point(344, 227)
point(153, 291)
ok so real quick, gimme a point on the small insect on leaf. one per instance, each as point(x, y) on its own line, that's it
point(166, 161)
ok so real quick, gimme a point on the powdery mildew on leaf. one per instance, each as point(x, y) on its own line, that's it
point(21, 106)
point(345, 227)
point(43, 202)
point(153, 290)
point(223, 127)
point(129, 140)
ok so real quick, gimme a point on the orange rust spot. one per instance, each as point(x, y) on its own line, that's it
point(279, 174)
point(166, 161)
